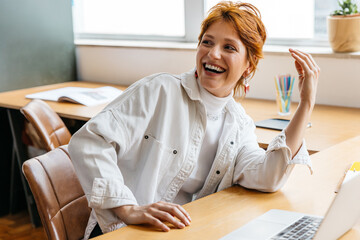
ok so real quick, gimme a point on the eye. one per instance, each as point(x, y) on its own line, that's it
point(230, 47)
point(206, 42)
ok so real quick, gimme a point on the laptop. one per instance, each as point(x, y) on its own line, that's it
point(340, 217)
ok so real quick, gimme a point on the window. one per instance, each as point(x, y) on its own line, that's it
point(287, 22)
point(134, 19)
point(281, 21)
point(296, 22)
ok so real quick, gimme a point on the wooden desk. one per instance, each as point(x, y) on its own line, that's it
point(330, 125)
point(16, 100)
point(221, 213)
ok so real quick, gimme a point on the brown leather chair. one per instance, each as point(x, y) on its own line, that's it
point(59, 198)
point(49, 127)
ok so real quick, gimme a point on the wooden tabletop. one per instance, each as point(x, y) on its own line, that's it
point(330, 125)
point(16, 100)
point(221, 213)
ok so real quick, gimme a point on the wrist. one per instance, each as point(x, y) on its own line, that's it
point(122, 210)
point(307, 105)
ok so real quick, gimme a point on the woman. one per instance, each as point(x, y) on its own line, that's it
point(168, 139)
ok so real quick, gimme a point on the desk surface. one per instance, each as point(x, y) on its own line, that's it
point(330, 125)
point(16, 99)
point(221, 213)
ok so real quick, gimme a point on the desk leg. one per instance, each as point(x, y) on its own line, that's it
point(12, 195)
point(16, 126)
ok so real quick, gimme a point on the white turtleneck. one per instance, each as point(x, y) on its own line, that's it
point(215, 112)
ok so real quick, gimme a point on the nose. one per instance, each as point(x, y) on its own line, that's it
point(215, 52)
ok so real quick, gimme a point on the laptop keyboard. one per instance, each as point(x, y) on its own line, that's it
point(304, 228)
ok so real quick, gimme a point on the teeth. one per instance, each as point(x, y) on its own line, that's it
point(218, 69)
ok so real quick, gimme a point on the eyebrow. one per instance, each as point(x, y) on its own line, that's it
point(226, 39)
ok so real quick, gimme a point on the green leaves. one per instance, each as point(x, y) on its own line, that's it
point(347, 8)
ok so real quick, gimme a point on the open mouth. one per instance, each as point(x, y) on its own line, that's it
point(212, 68)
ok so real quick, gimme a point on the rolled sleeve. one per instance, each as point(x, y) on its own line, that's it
point(268, 170)
point(110, 193)
point(301, 157)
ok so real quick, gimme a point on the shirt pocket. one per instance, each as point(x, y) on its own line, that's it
point(159, 156)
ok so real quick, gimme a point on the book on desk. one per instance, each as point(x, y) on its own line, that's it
point(80, 95)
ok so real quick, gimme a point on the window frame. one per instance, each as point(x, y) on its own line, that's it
point(194, 14)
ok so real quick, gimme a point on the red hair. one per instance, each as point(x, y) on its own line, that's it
point(246, 20)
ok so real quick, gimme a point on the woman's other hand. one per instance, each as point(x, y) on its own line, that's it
point(309, 73)
point(154, 214)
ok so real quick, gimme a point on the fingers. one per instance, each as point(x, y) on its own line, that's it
point(305, 63)
point(157, 213)
point(183, 211)
point(165, 217)
point(148, 218)
point(309, 73)
point(311, 59)
point(177, 211)
point(299, 69)
point(154, 214)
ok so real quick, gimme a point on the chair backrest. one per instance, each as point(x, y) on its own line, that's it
point(50, 128)
point(58, 195)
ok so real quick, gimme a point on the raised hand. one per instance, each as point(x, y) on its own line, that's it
point(154, 214)
point(309, 73)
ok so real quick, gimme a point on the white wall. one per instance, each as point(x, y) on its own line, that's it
point(339, 81)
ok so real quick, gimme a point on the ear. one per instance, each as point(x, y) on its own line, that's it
point(247, 72)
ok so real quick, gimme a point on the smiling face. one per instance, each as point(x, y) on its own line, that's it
point(221, 59)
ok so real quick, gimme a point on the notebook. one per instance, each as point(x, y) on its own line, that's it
point(340, 217)
point(275, 123)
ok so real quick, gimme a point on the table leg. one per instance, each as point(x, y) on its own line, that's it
point(16, 126)
point(12, 183)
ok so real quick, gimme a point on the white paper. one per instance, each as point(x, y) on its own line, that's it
point(85, 96)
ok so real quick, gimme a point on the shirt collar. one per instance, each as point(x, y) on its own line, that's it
point(188, 81)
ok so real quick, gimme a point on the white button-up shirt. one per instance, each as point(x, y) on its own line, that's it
point(144, 145)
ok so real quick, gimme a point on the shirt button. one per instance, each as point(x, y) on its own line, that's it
point(174, 152)
point(146, 137)
point(217, 172)
point(232, 143)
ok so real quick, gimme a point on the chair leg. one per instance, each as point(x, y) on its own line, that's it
point(20, 154)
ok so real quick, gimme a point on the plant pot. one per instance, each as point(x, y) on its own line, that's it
point(344, 33)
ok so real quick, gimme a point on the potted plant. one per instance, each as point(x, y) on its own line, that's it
point(344, 28)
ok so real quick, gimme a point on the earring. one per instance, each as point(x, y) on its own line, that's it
point(246, 84)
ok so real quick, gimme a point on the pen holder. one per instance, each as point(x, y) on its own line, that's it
point(283, 101)
point(284, 86)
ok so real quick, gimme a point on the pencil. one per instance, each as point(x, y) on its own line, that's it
point(338, 186)
point(278, 89)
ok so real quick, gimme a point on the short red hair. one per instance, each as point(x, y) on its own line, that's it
point(246, 20)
